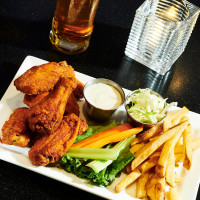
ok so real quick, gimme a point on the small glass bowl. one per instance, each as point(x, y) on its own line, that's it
point(99, 114)
point(136, 122)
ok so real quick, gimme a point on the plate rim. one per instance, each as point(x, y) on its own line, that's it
point(42, 170)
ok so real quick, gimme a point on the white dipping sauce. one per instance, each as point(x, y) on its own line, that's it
point(103, 96)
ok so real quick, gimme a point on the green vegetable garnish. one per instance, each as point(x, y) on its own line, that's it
point(105, 170)
point(97, 165)
point(102, 178)
point(91, 153)
point(147, 107)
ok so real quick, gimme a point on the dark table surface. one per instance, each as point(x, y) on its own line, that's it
point(25, 27)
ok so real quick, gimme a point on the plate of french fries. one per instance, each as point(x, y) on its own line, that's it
point(167, 155)
point(159, 152)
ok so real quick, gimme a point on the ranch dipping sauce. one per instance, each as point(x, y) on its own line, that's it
point(103, 96)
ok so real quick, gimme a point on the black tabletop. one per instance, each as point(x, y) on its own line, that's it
point(25, 27)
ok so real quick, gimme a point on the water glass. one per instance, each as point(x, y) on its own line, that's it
point(160, 32)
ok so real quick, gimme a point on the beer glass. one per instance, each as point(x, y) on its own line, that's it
point(72, 25)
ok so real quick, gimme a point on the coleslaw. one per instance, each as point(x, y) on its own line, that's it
point(146, 106)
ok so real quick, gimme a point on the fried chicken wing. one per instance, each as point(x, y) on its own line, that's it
point(52, 147)
point(71, 106)
point(32, 100)
point(78, 91)
point(15, 130)
point(83, 124)
point(43, 78)
point(83, 127)
point(46, 116)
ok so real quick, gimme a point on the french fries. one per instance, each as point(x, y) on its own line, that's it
point(151, 193)
point(168, 147)
point(173, 118)
point(173, 194)
point(187, 147)
point(140, 188)
point(145, 136)
point(136, 147)
point(151, 182)
point(135, 174)
point(128, 180)
point(178, 158)
point(195, 145)
point(177, 178)
point(170, 171)
point(160, 189)
point(149, 148)
point(158, 152)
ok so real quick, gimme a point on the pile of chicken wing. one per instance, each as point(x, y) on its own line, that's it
point(50, 123)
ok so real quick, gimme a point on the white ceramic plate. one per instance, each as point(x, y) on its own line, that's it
point(12, 99)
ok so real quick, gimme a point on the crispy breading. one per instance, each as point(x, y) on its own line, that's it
point(52, 147)
point(83, 124)
point(71, 106)
point(43, 78)
point(78, 91)
point(15, 130)
point(32, 100)
point(46, 116)
point(83, 127)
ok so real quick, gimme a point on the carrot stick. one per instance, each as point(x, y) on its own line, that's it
point(103, 134)
point(114, 138)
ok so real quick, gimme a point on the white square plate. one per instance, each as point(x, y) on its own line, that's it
point(13, 99)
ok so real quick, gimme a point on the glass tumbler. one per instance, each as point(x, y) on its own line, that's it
point(72, 25)
point(160, 32)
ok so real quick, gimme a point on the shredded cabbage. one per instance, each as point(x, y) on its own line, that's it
point(147, 107)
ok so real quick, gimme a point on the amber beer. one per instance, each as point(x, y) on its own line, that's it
point(72, 25)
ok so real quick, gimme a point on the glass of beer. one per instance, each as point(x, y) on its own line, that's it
point(72, 25)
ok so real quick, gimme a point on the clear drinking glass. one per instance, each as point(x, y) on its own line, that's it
point(72, 25)
point(160, 32)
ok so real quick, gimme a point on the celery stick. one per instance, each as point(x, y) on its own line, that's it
point(92, 153)
point(97, 165)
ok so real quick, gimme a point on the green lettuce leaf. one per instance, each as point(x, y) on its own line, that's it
point(104, 177)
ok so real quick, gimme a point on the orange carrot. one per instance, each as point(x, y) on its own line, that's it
point(103, 134)
point(114, 138)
